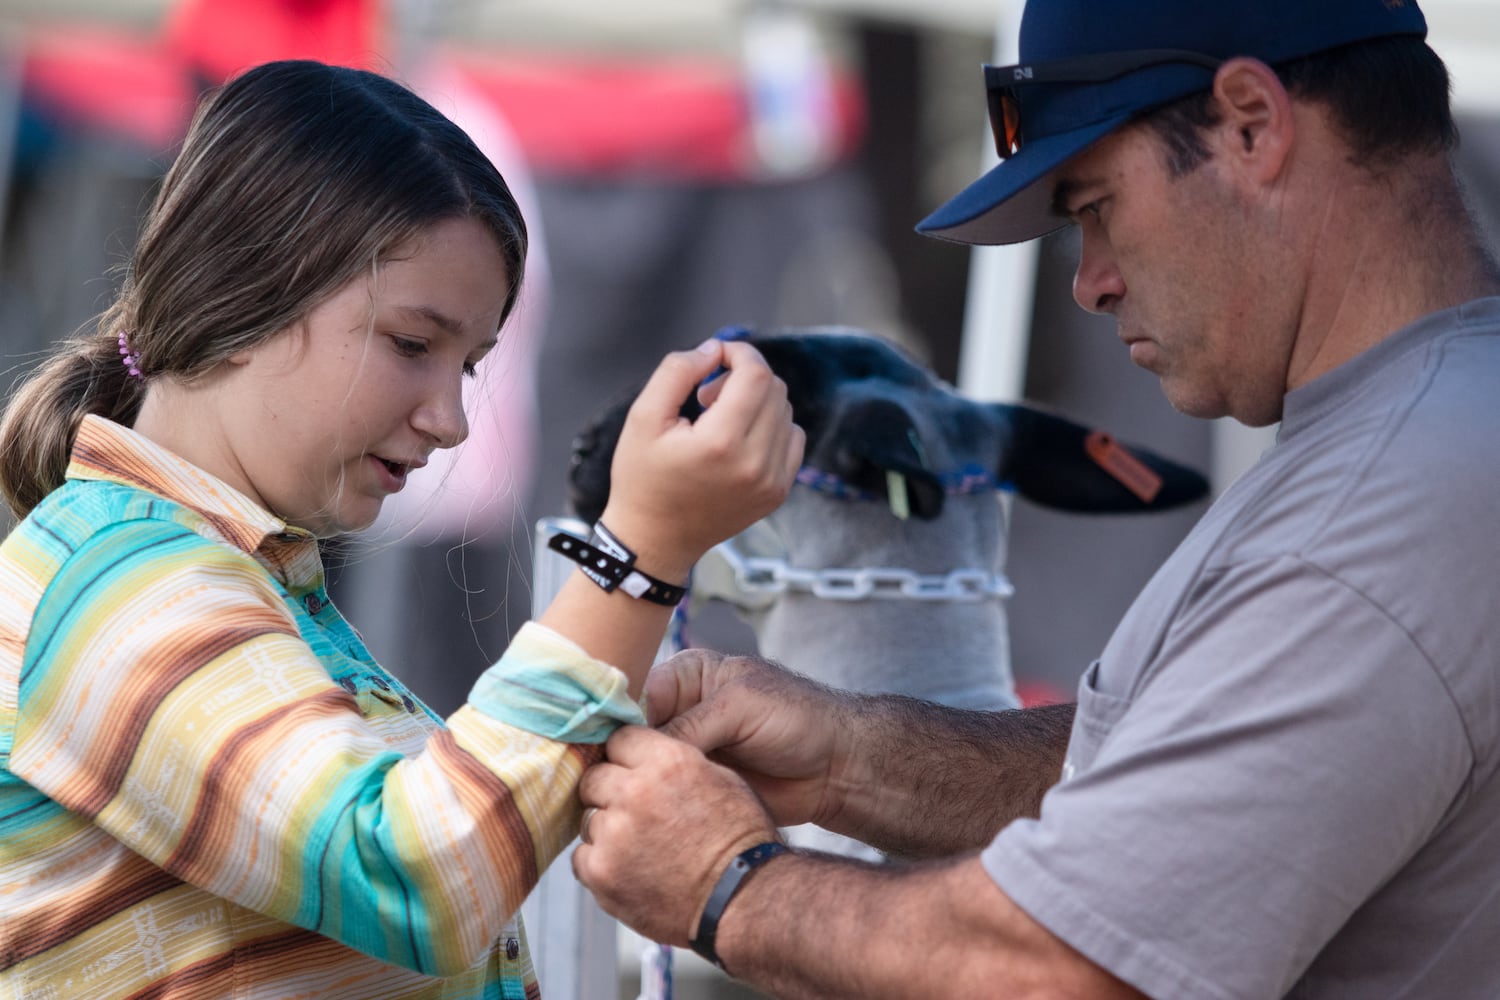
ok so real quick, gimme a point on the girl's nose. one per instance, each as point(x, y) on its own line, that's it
point(442, 417)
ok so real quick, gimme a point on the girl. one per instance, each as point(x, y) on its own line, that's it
point(207, 787)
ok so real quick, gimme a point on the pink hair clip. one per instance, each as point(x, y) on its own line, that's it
point(128, 358)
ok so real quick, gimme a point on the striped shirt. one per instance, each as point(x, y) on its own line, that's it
point(209, 788)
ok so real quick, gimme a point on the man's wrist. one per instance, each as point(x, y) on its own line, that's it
point(731, 881)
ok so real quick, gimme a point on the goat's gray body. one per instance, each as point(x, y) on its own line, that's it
point(952, 652)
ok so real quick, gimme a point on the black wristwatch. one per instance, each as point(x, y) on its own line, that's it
point(729, 883)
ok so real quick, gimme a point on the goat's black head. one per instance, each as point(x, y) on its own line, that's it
point(875, 418)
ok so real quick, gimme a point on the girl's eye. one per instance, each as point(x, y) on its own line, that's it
point(409, 348)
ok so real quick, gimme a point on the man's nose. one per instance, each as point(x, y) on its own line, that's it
point(1097, 284)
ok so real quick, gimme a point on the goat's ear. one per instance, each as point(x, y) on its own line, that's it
point(1055, 462)
point(873, 441)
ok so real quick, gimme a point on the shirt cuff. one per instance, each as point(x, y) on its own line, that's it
point(546, 684)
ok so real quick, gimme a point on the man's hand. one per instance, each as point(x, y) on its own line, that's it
point(909, 777)
point(666, 824)
point(787, 736)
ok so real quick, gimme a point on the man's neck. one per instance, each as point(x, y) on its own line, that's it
point(1390, 251)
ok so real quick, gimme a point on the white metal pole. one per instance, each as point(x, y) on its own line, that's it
point(572, 940)
point(1002, 284)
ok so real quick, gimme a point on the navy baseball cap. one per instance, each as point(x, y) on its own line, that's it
point(1089, 66)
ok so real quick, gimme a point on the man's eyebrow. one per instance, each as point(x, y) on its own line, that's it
point(446, 323)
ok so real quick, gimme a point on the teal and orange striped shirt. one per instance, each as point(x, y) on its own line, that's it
point(209, 788)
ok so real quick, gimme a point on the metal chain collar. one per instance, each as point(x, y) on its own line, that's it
point(767, 578)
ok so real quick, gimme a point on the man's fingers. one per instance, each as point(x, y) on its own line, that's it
point(599, 784)
point(634, 746)
point(704, 727)
point(679, 693)
point(675, 685)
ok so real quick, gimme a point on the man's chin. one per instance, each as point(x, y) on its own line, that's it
point(1192, 404)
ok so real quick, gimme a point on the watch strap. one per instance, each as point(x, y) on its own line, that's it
point(729, 883)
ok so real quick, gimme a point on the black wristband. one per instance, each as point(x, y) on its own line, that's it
point(611, 572)
point(605, 541)
point(729, 883)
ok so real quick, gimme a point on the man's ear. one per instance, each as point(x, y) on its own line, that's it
point(1257, 125)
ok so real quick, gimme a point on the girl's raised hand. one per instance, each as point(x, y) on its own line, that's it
point(679, 487)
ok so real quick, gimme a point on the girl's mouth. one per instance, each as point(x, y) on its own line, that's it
point(395, 473)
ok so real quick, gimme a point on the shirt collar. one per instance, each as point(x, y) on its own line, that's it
point(105, 451)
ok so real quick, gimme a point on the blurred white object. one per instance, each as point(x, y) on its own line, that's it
point(793, 112)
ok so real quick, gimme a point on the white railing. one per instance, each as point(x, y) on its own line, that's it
point(573, 941)
point(575, 945)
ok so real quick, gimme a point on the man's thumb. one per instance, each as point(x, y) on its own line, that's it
point(696, 727)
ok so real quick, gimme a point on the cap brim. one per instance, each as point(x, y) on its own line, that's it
point(1012, 202)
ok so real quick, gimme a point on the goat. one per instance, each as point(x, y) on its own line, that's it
point(897, 498)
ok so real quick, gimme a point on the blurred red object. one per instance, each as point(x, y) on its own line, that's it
point(109, 81)
point(679, 117)
point(1037, 692)
point(218, 38)
point(675, 118)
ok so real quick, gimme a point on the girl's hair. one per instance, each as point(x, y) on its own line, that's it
point(294, 178)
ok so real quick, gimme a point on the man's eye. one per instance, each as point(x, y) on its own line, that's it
point(409, 348)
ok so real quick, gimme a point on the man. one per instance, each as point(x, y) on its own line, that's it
point(1280, 779)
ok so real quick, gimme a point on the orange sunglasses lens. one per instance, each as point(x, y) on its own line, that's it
point(1005, 122)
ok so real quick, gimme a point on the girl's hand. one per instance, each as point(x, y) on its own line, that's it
point(677, 487)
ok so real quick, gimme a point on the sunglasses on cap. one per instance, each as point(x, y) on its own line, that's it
point(1002, 84)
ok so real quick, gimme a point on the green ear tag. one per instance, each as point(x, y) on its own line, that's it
point(895, 491)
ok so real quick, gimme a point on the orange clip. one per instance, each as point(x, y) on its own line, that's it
point(1129, 471)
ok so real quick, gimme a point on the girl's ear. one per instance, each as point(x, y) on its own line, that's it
point(245, 355)
point(1057, 463)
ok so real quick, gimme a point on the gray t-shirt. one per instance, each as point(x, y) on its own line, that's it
point(1281, 779)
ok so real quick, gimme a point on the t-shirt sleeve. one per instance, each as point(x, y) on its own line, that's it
point(1288, 750)
point(167, 696)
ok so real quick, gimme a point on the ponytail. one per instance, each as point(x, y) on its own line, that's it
point(83, 375)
